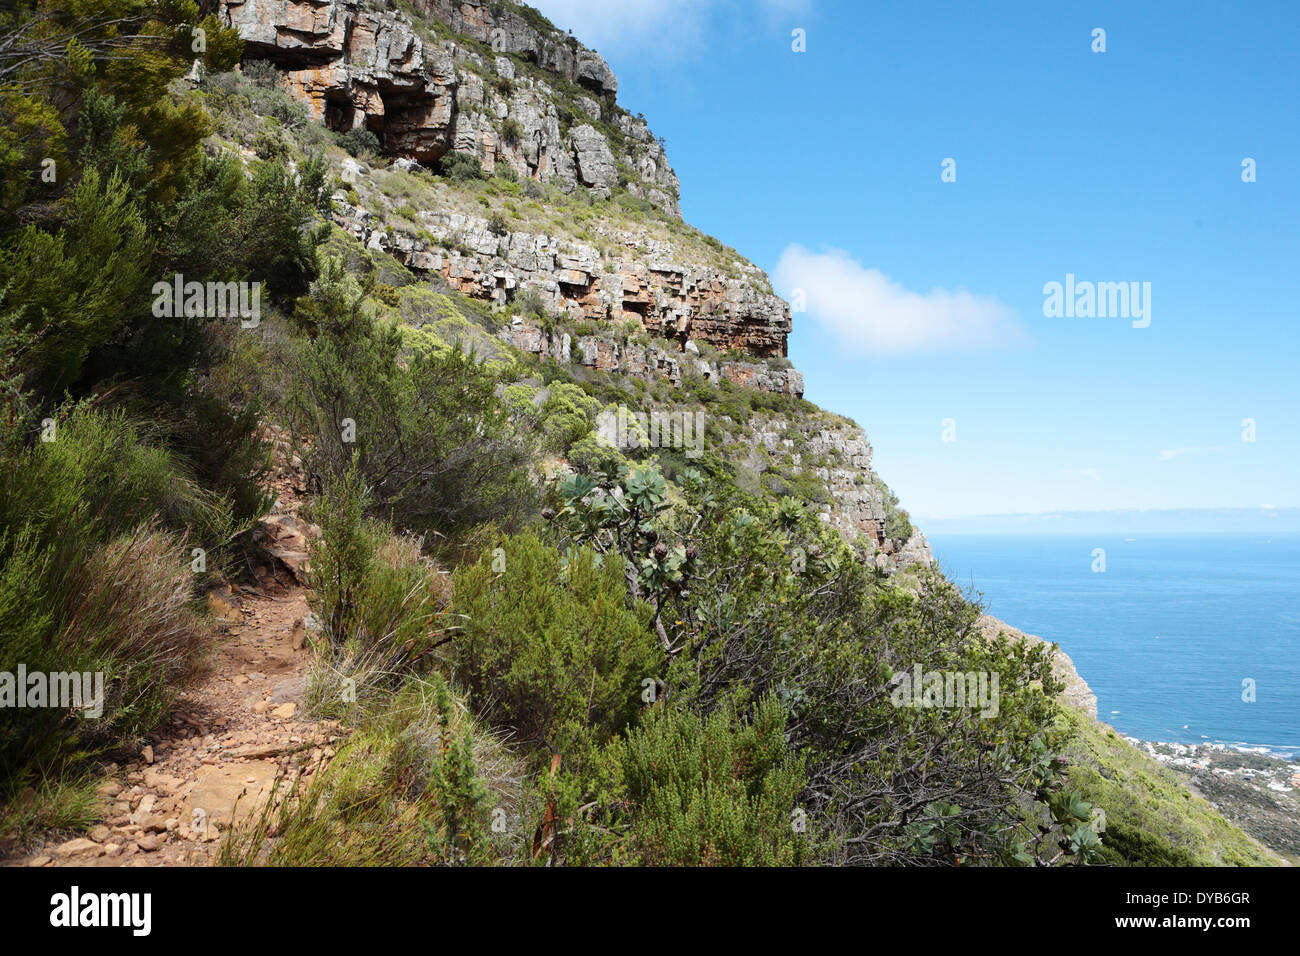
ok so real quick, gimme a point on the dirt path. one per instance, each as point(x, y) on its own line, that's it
point(232, 730)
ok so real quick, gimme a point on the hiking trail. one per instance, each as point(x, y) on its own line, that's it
point(232, 729)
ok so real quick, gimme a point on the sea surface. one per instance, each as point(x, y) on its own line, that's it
point(1166, 635)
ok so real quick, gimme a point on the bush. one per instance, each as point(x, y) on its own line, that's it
point(460, 167)
point(547, 647)
point(681, 790)
point(90, 582)
point(567, 416)
point(376, 596)
point(101, 476)
point(387, 294)
point(413, 785)
point(267, 97)
point(898, 526)
point(269, 145)
point(121, 609)
point(433, 442)
point(713, 791)
point(261, 73)
point(359, 141)
point(66, 289)
point(529, 303)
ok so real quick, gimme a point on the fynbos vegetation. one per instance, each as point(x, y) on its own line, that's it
point(588, 584)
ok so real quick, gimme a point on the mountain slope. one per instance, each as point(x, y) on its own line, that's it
point(591, 583)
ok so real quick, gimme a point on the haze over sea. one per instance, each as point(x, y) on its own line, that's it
point(1167, 634)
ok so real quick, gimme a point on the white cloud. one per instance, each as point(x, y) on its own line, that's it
point(871, 312)
point(1093, 473)
point(628, 25)
point(1166, 454)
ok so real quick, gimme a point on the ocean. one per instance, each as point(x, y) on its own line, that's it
point(1167, 635)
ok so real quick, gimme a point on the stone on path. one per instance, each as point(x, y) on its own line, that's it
point(217, 789)
point(73, 847)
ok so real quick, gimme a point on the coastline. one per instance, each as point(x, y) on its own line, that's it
point(1258, 792)
point(1255, 788)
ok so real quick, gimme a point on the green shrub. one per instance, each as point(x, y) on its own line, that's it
point(547, 647)
point(460, 167)
point(121, 609)
point(269, 145)
point(101, 476)
point(898, 525)
point(432, 440)
point(66, 289)
point(96, 531)
point(386, 294)
point(375, 594)
point(530, 304)
point(567, 415)
point(359, 141)
point(414, 785)
point(714, 791)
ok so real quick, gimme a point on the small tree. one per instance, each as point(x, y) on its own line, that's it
point(359, 141)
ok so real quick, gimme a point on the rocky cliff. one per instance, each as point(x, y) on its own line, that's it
point(497, 82)
point(491, 79)
point(567, 224)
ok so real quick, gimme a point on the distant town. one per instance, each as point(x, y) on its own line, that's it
point(1258, 791)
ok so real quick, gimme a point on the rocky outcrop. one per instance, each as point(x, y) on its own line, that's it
point(1077, 693)
point(595, 162)
point(507, 29)
point(495, 80)
point(765, 378)
point(610, 352)
point(839, 456)
point(647, 284)
point(425, 93)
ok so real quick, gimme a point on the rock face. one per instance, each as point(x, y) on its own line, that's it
point(495, 80)
point(508, 30)
point(839, 455)
point(610, 352)
point(508, 88)
point(645, 283)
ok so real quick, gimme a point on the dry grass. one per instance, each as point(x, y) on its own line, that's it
point(377, 802)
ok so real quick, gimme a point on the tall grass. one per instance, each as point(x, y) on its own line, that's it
point(418, 783)
point(95, 576)
point(381, 603)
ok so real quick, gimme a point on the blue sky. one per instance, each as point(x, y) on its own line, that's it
point(925, 298)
